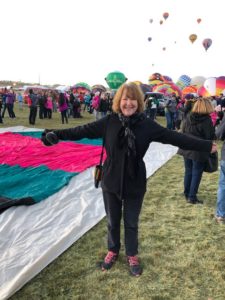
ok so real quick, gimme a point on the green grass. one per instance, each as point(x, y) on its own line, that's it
point(181, 247)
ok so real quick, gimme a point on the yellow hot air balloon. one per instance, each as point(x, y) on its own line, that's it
point(192, 37)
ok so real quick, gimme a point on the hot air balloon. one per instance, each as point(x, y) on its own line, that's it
point(167, 78)
point(164, 48)
point(81, 88)
point(212, 87)
point(183, 81)
point(192, 37)
point(149, 39)
point(151, 20)
point(189, 90)
point(165, 15)
point(161, 22)
point(115, 79)
point(167, 88)
point(197, 80)
point(199, 20)
point(206, 43)
point(155, 78)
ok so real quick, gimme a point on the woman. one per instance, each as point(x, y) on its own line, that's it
point(197, 123)
point(63, 106)
point(128, 134)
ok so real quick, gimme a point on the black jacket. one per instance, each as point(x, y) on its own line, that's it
point(115, 171)
point(201, 126)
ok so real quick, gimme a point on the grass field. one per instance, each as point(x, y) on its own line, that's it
point(181, 246)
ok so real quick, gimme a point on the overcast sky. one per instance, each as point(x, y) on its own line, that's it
point(65, 42)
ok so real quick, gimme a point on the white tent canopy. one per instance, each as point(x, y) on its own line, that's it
point(62, 88)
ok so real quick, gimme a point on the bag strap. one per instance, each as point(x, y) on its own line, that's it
point(103, 143)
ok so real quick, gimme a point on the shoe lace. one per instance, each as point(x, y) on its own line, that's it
point(133, 260)
point(110, 256)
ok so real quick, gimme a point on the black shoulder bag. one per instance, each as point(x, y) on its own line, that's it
point(211, 165)
point(99, 168)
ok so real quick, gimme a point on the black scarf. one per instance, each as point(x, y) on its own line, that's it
point(126, 139)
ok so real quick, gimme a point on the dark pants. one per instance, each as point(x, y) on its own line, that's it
point(3, 110)
point(41, 112)
point(64, 116)
point(0, 117)
point(9, 107)
point(131, 208)
point(33, 114)
point(192, 177)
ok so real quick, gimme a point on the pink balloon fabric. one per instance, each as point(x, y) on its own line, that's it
point(25, 151)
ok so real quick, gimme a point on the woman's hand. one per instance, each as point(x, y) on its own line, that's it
point(214, 148)
point(49, 138)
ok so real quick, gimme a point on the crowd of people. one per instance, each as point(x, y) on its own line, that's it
point(43, 103)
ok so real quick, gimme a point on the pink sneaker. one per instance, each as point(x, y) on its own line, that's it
point(135, 268)
point(109, 260)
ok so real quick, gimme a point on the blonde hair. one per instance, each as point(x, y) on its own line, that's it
point(203, 106)
point(133, 91)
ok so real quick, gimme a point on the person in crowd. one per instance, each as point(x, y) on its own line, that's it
point(214, 101)
point(49, 106)
point(76, 107)
point(71, 103)
point(1, 121)
point(110, 101)
point(9, 103)
point(63, 107)
point(41, 102)
point(33, 106)
point(179, 113)
point(220, 100)
point(220, 206)
point(87, 101)
point(190, 100)
point(197, 123)
point(170, 111)
point(127, 134)
point(95, 104)
point(45, 96)
point(4, 95)
point(151, 104)
point(54, 101)
point(103, 105)
point(20, 100)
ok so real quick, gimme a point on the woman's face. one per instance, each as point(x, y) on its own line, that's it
point(128, 106)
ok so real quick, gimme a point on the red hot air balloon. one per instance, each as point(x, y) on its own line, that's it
point(199, 20)
point(206, 43)
point(165, 15)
